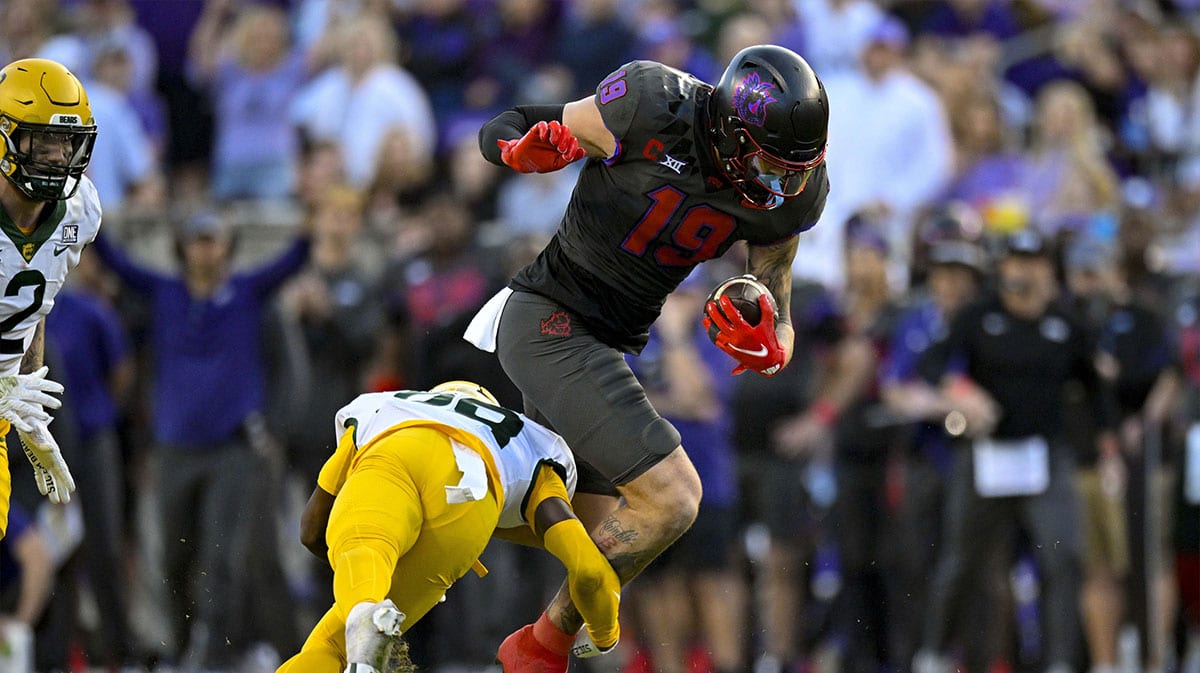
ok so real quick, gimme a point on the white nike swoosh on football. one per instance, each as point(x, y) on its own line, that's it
point(762, 350)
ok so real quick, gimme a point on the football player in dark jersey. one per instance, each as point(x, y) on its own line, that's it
point(677, 171)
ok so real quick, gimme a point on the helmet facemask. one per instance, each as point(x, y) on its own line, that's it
point(763, 179)
point(46, 161)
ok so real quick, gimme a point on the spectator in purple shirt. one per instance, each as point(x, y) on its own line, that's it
point(170, 24)
point(595, 35)
point(208, 394)
point(1069, 179)
point(442, 41)
point(988, 171)
point(515, 39)
point(964, 18)
point(245, 60)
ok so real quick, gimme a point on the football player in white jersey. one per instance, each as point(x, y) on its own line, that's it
point(48, 212)
point(418, 484)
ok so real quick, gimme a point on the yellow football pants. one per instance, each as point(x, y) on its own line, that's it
point(5, 478)
point(392, 535)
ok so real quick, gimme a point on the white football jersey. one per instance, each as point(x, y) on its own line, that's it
point(518, 445)
point(33, 267)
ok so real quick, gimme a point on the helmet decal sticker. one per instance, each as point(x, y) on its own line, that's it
point(751, 98)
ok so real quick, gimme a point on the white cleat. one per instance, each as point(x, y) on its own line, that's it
point(372, 632)
point(388, 619)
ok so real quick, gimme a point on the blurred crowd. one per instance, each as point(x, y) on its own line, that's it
point(296, 210)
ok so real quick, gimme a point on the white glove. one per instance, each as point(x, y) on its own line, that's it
point(24, 398)
point(54, 480)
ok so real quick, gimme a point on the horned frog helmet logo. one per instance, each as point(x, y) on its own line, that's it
point(751, 98)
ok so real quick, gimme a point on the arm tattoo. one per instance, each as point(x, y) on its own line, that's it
point(772, 264)
point(32, 359)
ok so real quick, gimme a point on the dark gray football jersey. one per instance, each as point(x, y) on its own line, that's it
point(639, 221)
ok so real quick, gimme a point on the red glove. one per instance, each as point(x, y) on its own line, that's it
point(548, 146)
point(754, 347)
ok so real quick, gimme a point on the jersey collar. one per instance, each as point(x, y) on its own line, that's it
point(28, 244)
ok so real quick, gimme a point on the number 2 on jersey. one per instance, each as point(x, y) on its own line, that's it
point(697, 237)
point(26, 278)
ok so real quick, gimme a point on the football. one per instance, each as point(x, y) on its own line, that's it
point(744, 292)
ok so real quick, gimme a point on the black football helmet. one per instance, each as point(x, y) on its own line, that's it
point(768, 118)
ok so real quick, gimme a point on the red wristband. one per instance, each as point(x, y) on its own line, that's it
point(825, 412)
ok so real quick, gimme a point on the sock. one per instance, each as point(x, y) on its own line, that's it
point(551, 637)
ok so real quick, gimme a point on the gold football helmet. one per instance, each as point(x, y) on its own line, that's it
point(467, 388)
point(47, 126)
